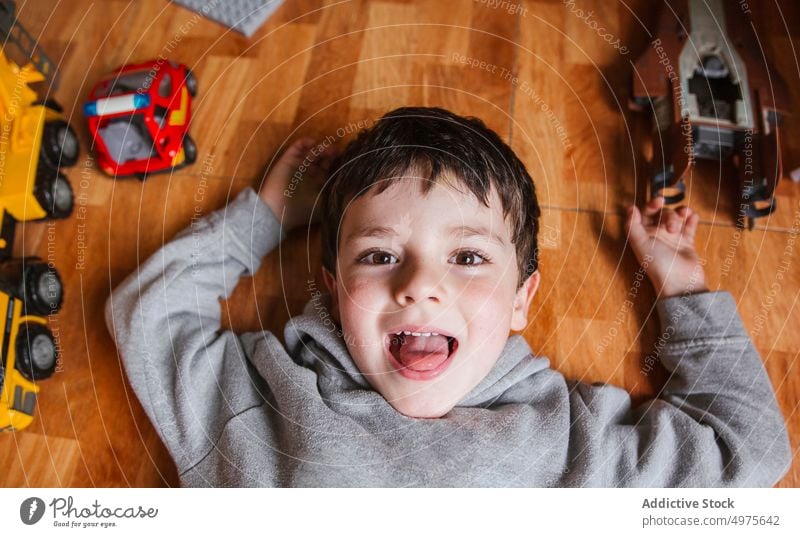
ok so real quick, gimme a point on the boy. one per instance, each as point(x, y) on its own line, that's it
point(429, 226)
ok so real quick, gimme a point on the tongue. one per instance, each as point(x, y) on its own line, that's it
point(421, 353)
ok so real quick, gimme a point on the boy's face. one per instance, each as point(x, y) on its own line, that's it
point(424, 269)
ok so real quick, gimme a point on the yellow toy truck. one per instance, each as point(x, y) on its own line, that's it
point(35, 143)
point(29, 290)
point(35, 139)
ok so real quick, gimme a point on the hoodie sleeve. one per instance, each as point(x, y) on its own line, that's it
point(716, 422)
point(165, 320)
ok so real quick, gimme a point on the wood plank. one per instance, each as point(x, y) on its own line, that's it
point(540, 76)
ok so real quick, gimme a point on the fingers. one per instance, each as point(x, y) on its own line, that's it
point(672, 221)
point(300, 147)
point(324, 161)
point(327, 156)
point(319, 155)
point(634, 216)
point(683, 220)
point(295, 153)
point(653, 207)
point(655, 214)
point(691, 226)
point(304, 150)
point(634, 226)
point(641, 224)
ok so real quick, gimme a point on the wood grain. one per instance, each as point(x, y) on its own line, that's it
point(549, 84)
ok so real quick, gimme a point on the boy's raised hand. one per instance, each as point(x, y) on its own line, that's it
point(292, 186)
point(663, 241)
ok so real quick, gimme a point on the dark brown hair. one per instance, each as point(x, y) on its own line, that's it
point(431, 141)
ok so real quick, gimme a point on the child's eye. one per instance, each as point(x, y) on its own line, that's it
point(376, 257)
point(468, 258)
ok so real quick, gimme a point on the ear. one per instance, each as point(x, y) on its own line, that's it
point(330, 283)
point(522, 302)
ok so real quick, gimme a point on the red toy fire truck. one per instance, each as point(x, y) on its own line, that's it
point(139, 119)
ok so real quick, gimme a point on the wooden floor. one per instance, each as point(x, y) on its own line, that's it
point(319, 68)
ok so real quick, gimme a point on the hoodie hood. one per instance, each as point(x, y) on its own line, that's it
point(317, 342)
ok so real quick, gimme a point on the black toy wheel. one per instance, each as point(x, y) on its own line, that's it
point(54, 194)
point(191, 82)
point(37, 353)
point(59, 144)
point(189, 150)
point(41, 289)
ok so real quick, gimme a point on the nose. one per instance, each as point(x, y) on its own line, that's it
point(418, 282)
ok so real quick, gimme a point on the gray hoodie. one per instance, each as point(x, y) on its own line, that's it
point(243, 410)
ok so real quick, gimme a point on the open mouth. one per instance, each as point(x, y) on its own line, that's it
point(420, 355)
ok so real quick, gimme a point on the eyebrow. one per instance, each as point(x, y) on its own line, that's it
point(466, 231)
